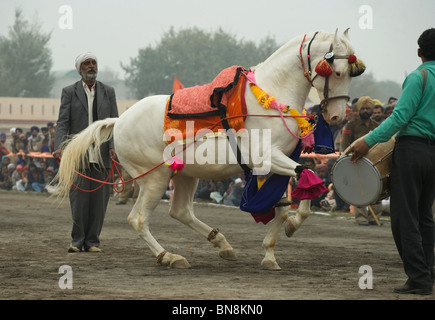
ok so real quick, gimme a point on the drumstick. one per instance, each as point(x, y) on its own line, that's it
point(359, 179)
point(374, 216)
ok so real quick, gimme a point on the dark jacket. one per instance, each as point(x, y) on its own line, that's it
point(73, 113)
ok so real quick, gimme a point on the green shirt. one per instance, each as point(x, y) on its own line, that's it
point(414, 113)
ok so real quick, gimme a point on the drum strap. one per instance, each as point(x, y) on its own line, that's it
point(424, 74)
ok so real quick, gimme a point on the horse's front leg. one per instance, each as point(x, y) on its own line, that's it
point(294, 222)
point(281, 164)
point(269, 261)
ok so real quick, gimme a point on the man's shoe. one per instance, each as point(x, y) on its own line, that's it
point(363, 223)
point(73, 249)
point(94, 249)
point(406, 288)
point(120, 202)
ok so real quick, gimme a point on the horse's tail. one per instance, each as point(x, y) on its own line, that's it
point(75, 151)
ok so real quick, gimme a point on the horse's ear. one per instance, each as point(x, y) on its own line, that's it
point(346, 34)
point(335, 37)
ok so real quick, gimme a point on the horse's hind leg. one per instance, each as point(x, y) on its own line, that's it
point(152, 188)
point(182, 210)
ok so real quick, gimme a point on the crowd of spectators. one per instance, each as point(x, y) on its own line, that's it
point(26, 161)
point(27, 165)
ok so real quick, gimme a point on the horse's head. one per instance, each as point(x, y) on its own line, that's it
point(335, 65)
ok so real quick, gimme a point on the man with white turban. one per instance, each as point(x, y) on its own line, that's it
point(82, 58)
point(82, 103)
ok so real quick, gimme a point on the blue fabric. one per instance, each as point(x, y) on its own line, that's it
point(323, 138)
point(261, 202)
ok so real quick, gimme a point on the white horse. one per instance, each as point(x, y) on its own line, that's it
point(138, 133)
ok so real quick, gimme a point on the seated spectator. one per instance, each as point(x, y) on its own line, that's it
point(221, 187)
point(235, 195)
point(328, 203)
point(205, 189)
point(6, 177)
point(36, 178)
point(23, 184)
point(5, 161)
point(48, 174)
point(322, 172)
point(17, 176)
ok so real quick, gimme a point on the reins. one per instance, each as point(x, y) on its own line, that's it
point(115, 164)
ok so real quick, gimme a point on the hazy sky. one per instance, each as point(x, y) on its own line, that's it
point(384, 33)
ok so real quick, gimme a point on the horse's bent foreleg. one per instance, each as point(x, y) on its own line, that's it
point(151, 191)
point(269, 261)
point(294, 222)
point(282, 164)
point(182, 210)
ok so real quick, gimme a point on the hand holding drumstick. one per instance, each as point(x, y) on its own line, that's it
point(358, 149)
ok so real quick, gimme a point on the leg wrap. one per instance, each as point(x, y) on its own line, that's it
point(213, 234)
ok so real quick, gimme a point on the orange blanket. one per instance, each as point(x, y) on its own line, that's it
point(229, 99)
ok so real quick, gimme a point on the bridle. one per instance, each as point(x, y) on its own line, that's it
point(329, 58)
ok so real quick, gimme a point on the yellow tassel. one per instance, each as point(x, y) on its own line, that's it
point(357, 68)
point(303, 125)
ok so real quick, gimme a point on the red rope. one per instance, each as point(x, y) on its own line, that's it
point(114, 163)
point(302, 60)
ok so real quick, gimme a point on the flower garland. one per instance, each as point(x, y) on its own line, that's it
point(305, 127)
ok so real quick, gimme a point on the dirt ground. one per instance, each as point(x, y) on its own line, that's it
point(321, 261)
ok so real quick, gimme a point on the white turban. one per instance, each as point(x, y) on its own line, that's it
point(83, 57)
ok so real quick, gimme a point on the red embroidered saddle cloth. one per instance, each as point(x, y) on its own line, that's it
point(205, 104)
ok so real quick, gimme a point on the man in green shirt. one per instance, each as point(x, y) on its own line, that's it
point(412, 187)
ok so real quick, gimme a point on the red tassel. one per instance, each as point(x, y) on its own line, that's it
point(309, 187)
point(323, 69)
point(352, 59)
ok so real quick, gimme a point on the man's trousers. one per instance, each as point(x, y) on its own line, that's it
point(412, 195)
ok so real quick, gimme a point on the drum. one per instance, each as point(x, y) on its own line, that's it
point(366, 181)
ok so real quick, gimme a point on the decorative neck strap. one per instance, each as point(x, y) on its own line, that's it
point(305, 127)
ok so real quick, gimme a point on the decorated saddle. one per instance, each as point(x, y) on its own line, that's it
point(207, 104)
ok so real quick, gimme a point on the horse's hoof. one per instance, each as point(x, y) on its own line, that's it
point(180, 264)
point(228, 255)
point(289, 228)
point(270, 265)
